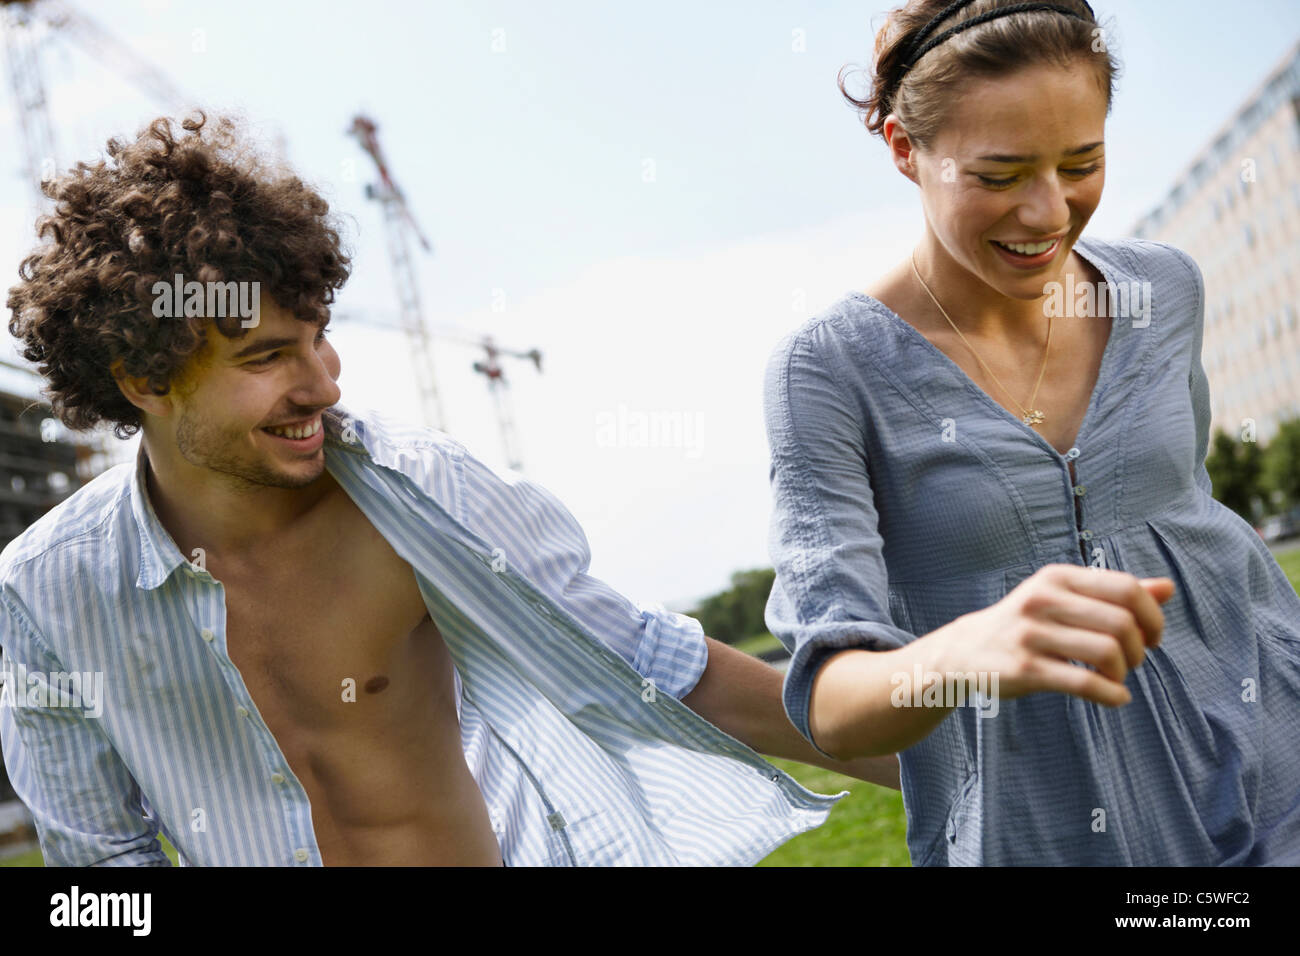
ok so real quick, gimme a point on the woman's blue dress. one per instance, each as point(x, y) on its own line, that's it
point(905, 497)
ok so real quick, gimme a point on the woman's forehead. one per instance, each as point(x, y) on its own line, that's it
point(1025, 121)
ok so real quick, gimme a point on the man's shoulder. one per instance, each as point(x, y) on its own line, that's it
point(84, 517)
point(383, 435)
point(363, 439)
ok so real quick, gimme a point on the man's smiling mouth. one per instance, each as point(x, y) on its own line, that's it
point(296, 432)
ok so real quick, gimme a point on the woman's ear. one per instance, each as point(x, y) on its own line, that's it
point(901, 148)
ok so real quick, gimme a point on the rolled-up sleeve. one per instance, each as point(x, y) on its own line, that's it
point(532, 532)
point(87, 807)
point(831, 587)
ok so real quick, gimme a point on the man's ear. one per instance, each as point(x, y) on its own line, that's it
point(137, 392)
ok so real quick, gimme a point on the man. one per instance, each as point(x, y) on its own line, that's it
point(329, 639)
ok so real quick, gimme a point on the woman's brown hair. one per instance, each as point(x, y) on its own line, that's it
point(201, 204)
point(996, 48)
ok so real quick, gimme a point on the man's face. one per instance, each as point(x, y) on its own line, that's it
point(282, 372)
point(1042, 115)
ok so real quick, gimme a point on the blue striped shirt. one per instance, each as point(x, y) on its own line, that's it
point(568, 693)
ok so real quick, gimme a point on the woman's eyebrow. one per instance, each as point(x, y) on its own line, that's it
point(1005, 158)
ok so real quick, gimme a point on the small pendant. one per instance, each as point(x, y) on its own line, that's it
point(1033, 418)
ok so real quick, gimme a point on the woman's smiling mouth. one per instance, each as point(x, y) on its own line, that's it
point(1033, 254)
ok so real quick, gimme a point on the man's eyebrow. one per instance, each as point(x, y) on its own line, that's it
point(263, 345)
point(266, 345)
point(1004, 158)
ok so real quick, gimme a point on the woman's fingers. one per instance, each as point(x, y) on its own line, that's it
point(1119, 588)
point(1111, 622)
point(1162, 589)
point(1049, 674)
point(1062, 613)
point(1102, 651)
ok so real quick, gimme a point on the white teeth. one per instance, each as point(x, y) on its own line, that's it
point(304, 431)
point(1031, 249)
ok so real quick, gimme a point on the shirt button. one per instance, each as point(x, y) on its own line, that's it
point(1080, 490)
point(277, 777)
point(1086, 535)
point(207, 634)
point(242, 711)
point(1072, 454)
point(300, 854)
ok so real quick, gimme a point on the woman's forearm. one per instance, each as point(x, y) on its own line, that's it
point(852, 714)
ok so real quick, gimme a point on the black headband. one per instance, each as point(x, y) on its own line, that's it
point(913, 54)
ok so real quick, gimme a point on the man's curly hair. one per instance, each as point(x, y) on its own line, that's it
point(200, 204)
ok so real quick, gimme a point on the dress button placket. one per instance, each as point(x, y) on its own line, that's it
point(1079, 490)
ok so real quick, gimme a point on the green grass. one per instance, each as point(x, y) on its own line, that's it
point(1290, 562)
point(34, 858)
point(30, 858)
point(758, 644)
point(866, 828)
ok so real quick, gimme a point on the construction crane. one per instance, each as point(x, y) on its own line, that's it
point(25, 25)
point(22, 58)
point(21, 21)
point(400, 224)
point(489, 367)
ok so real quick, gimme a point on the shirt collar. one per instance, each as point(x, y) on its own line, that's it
point(1103, 254)
point(378, 438)
point(159, 555)
point(347, 431)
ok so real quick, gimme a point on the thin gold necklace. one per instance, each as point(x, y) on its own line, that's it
point(1032, 415)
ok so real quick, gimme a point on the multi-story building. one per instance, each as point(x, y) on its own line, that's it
point(1236, 210)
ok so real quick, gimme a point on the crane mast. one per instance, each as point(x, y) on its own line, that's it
point(400, 225)
point(22, 60)
point(490, 368)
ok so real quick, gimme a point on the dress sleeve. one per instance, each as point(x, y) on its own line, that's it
point(1197, 380)
point(87, 808)
point(831, 590)
point(534, 534)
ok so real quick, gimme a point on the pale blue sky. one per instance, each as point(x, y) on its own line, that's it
point(525, 168)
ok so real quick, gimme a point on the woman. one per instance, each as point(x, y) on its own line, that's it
point(951, 433)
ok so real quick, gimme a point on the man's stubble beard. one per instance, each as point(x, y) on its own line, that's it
point(207, 447)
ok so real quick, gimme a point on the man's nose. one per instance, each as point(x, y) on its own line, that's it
point(320, 388)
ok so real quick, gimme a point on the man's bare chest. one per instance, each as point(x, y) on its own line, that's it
point(335, 633)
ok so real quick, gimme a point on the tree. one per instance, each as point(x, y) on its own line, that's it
point(737, 613)
point(1281, 471)
point(1236, 474)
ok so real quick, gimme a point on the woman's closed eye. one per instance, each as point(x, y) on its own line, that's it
point(1079, 171)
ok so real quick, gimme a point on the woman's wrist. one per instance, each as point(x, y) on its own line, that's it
point(854, 710)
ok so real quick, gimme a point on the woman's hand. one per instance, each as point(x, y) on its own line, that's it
point(1026, 641)
point(1060, 614)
